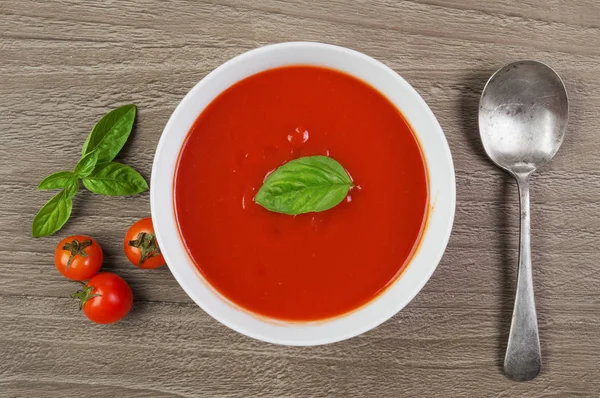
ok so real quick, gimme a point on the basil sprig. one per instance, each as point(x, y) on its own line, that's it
point(308, 184)
point(96, 168)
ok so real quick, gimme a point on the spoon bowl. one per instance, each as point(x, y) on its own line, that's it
point(523, 114)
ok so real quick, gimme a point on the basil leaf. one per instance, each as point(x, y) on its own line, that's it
point(110, 134)
point(72, 187)
point(56, 180)
point(52, 216)
point(86, 164)
point(309, 184)
point(115, 179)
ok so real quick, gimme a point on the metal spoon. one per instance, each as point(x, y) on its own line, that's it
point(523, 113)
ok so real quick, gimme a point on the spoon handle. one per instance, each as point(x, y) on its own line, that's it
point(523, 358)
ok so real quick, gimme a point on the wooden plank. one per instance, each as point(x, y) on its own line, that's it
point(172, 348)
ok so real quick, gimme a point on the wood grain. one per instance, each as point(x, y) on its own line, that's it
point(65, 63)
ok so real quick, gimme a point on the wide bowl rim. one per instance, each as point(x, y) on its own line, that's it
point(258, 327)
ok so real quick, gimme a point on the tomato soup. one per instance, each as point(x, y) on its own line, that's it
point(311, 266)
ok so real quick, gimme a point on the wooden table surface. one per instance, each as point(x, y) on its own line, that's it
point(64, 63)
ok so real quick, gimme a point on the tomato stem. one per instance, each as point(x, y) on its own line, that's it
point(84, 295)
point(76, 248)
point(147, 245)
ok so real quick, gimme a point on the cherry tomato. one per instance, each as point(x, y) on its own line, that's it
point(78, 257)
point(106, 298)
point(141, 247)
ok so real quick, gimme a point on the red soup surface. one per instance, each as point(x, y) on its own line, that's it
point(316, 265)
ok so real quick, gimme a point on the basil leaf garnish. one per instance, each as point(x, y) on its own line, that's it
point(308, 184)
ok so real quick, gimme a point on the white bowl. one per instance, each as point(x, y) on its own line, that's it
point(442, 195)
